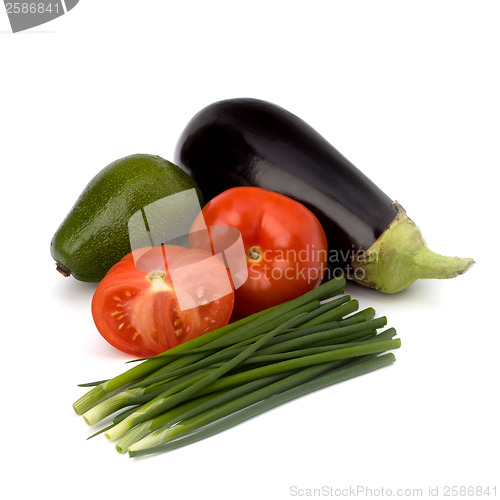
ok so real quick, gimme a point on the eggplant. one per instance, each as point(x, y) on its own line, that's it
point(250, 142)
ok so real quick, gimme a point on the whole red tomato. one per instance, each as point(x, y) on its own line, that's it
point(157, 297)
point(285, 245)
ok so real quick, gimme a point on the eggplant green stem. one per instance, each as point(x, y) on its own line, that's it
point(400, 256)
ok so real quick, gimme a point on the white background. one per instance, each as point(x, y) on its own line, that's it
point(408, 91)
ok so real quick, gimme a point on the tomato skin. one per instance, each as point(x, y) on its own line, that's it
point(137, 309)
point(285, 245)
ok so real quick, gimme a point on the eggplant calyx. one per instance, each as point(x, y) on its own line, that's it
point(400, 256)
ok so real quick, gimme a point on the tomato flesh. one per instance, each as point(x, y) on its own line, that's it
point(139, 311)
point(285, 245)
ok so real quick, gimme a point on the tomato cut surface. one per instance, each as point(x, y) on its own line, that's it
point(285, 245)
point(158, 297)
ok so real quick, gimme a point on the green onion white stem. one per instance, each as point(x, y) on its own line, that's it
point(226, 376)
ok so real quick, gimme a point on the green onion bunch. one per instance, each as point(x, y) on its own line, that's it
point(226, 376)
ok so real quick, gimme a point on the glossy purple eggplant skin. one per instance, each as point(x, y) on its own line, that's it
point(250, 142)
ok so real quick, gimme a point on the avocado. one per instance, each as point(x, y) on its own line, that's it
point(95, 234)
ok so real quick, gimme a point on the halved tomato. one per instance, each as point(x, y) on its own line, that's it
point(159, 297)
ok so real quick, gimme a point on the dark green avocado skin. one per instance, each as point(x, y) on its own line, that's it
point(94, 235)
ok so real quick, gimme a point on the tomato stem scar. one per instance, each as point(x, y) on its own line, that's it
point(254, 254)
point(158, 283)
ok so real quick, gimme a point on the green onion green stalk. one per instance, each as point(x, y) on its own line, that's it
point(211, 383)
